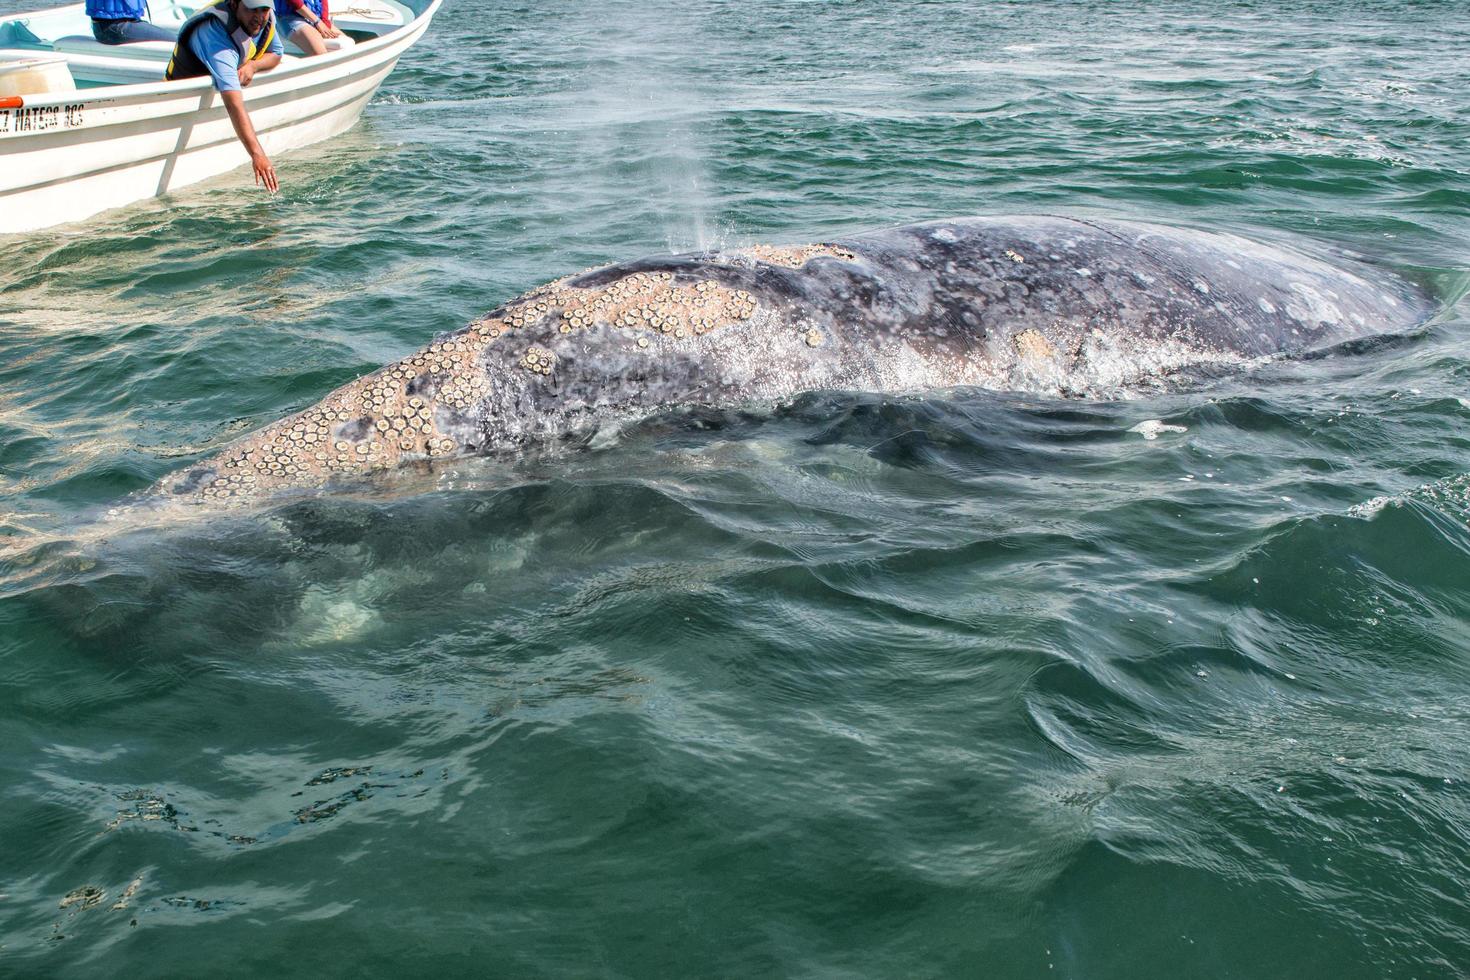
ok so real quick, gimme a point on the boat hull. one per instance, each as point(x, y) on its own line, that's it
point(68, 156)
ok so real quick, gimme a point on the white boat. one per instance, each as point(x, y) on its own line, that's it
point(105, 130)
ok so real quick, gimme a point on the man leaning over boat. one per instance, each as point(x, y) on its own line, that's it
point(232, 42)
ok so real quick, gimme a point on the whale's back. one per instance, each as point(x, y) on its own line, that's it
point(1047, 304)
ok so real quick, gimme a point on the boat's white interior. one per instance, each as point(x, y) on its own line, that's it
point(66, 32)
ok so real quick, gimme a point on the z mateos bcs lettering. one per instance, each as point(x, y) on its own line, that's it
point(42, 118)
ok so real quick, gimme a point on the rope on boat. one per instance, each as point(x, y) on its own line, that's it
point(368, 13)
point(184, 11)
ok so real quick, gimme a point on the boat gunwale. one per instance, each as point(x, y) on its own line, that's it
point(405, 36)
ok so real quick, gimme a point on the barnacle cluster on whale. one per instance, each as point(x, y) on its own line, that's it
point(399, 412)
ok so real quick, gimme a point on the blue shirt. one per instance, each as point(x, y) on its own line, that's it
point(116, 9)
point(284, 9)
point(212, 45)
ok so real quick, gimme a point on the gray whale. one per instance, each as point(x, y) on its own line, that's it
point(1041, 303)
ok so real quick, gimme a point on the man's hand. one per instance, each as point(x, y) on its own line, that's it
point(246, 73)
point(259, 162)
point(265, 173)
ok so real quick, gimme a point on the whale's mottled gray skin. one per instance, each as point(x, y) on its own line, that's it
point(1045, 303)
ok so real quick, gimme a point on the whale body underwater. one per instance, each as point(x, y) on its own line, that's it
point(1035, 303)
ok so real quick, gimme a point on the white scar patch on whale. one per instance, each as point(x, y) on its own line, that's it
point(326, 617)
point(1073, 361)
point(1318, 309)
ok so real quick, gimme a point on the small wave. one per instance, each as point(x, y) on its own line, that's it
point(1450, 495)
point(1304, 142)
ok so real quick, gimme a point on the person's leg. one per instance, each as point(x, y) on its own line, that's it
point(142, 30)
point(129, 31)
point(309, 40)
point(106, 32)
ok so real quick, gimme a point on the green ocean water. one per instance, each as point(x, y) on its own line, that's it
point(964, 684)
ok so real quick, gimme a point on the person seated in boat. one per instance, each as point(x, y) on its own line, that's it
point(121, 22)
point(306, 23)
point(232, 41)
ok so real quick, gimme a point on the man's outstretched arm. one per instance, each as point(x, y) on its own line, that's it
point(265, 172)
